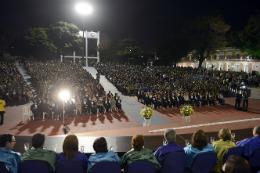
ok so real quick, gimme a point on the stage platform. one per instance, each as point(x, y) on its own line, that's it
point(129, 122)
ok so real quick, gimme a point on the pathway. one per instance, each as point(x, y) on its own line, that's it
point(130, 107)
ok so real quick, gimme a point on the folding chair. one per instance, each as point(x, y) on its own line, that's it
point(27, 112)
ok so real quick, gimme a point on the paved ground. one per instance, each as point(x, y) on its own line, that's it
point(129, 122)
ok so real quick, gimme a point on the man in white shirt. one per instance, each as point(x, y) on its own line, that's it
point(221, 99)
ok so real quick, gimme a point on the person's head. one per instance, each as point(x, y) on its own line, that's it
point(70, 145)
point(100, 145)
point(170, 135)
point(236, 164)
point(38, 140)
point(7, 140)
point(34, 102)
point(224, 134)
point(137, 142)
point(256, 131)
point(199, 139)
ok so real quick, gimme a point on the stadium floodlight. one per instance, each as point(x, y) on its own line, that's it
point(64, 95)
point(83, 8)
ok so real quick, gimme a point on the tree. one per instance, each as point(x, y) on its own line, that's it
point(65, 37)
point(170, 49)
point(208, 34)
point(128, 49)
point(106, 51)
point(248, 40)
point(5, 34)
point(35, 42)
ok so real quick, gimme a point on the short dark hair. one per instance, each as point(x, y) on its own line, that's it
point(100, 145)
point(37, 140)
point(257, 130)
point(4, 138)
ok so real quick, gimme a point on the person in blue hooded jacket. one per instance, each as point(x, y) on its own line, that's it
point(199, 144)
point(102, 154)
point(10, 159)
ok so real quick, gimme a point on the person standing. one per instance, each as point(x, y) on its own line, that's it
point(2, 109)
point(238, 99)
point(245, 99)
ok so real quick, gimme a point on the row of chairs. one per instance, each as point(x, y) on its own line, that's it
point(203, 163)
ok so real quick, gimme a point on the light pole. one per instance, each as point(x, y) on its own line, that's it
point(84, 9)
point(64, 95)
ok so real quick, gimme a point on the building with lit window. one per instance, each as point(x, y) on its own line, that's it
point(227, 59)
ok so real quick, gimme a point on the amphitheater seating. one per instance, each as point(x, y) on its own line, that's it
point(2, 168)
point(32, 166)
point(254, 161)
point(108, 167)
point(203, 163)
point(237, 151)
point(174, 163)
point(68, 166)
point(141, 167)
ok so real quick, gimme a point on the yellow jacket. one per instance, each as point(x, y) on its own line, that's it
point(220, 148)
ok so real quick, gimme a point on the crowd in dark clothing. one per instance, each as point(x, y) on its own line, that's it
point(13, 88)
point(164, 86)
point(87, 95)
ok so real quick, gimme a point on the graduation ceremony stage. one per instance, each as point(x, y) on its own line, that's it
point(129, 122)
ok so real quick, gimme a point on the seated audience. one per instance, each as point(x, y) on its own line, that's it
point(170, 148)
point(138, 153)
point(10, 159)
point(236, 164)
point(71, 151)
point(102, 154)
point(221, 146)
point(37, 152)
point(199, 144)
point(250, 144)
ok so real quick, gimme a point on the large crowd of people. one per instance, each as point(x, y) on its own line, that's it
point(199, 144)
point(87, 95)
point(166, 87)
point(13, 88)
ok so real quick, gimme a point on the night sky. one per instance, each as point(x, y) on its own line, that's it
point(118, 19)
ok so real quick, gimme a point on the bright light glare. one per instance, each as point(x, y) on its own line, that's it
point(83, 8)
point(64, 95)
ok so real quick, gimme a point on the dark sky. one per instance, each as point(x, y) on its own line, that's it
point(119, 19)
